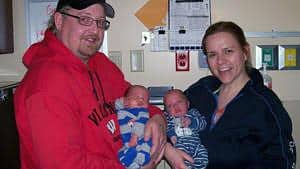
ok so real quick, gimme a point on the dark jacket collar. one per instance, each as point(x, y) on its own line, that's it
point(213, 83)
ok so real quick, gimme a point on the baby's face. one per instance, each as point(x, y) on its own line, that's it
point(176, 105)
point(137, 98)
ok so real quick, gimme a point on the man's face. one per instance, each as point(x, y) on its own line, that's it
point(83, 41)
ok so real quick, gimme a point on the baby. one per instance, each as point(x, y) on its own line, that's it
point(132, 116)
point(184, 126)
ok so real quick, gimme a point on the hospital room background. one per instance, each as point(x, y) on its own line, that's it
point(129, 42)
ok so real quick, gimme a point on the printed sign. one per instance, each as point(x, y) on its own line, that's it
point(290, 57)
point(268, 56)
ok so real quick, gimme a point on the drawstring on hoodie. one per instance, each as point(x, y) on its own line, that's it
point(101, 87)
point(93, 85)
point(106, 106)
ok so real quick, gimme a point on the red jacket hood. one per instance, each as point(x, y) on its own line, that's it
point(50, 49)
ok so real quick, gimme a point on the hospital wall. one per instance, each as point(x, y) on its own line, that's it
point(159, 67)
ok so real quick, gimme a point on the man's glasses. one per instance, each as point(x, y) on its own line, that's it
point(88, 21)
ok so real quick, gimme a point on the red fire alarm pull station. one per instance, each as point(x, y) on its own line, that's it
point(182, 60)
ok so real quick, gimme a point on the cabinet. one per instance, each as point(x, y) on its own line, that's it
point(9, 144)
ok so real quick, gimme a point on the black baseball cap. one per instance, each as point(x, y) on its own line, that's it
point(82, 4)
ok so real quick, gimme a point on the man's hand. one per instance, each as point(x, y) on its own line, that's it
point(176, 157)
point(156, 130)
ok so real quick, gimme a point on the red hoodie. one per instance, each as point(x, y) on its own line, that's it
point(65, 109)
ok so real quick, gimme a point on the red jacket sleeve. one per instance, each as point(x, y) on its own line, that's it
point(153, 110)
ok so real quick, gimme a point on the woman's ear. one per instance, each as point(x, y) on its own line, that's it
point(246, 52)
point(58, 18)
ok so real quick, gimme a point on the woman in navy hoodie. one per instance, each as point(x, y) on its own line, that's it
point(248, 127)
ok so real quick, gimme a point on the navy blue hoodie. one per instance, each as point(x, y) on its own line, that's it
point(255, 131)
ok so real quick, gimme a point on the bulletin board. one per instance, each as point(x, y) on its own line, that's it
point(186, 23)
point(188, 20)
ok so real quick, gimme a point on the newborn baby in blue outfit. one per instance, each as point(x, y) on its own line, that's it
point(132, 116)
point(183, 128)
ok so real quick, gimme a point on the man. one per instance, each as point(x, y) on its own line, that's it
point(65, 103)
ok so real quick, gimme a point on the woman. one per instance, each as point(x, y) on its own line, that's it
point(248, 128)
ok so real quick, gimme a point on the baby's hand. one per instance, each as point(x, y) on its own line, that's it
point(173, 140)
point(133, 140)
point(185, 121)
point(119, 103)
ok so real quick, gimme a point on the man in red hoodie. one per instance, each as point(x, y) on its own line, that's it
point(65, 103)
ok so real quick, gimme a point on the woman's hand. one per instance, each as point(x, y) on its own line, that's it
point(176, 157)
point(156, 130)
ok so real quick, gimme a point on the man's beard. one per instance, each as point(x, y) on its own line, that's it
point(89, 50)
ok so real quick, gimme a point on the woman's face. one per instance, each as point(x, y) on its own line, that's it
point(226, 58)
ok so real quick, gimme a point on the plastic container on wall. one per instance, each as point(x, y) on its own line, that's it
point(267, 78)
